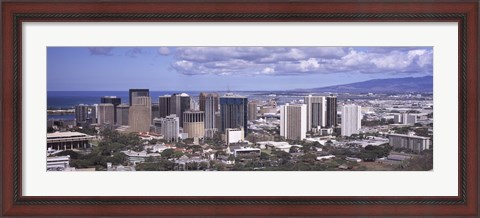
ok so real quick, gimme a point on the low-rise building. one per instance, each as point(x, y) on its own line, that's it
point(234, 135)
point(409, 141)
point(68, 140)
point(59, 163)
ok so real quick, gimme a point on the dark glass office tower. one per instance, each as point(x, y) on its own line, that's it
point(155, 111)
point(164, 106)
point(132, 93)
point(233, 112)
point(179, 103)
point(112, 100)
point(331, 111)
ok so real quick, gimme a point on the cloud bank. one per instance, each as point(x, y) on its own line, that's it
point(278, 61)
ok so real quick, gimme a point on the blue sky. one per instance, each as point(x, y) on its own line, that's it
point(220, 68)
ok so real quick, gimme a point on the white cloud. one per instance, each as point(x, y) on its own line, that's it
point(301, 60)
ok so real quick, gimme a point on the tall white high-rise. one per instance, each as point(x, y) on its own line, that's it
point(170, 128)
point(316, 111)
point(351, 119)
point(293, 121)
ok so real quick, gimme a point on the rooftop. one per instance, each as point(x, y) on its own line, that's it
point(65, 134)
point(409, 136)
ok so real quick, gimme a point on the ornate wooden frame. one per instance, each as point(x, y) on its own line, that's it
point(16, 12)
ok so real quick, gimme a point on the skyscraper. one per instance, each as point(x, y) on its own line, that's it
point(112, 100)
point(202, 98)
point(252, 110)
point(233, 112)
point(209, 104)
point(139, 116)
point(155, 110)
point(122, 114)
point(106, 114)
point(193, 123)
point(293, 121)
point(331, 115)
point(170, 128)
point(179, 104)
point(132, 93)
point(81, 113)
point(351, 119)
point(164, 106)
point(316, 111)
point(85, 114)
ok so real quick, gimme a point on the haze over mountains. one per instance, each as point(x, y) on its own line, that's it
point(395, 85)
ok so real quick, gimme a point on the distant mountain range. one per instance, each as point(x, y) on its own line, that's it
point(395, 85)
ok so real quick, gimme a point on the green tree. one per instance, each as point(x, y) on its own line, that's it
point(309, 158)
point(118, 158)
point(264, 156)
point(177, 154)
point(168, 153)
point(72, 154)
point(203, 166)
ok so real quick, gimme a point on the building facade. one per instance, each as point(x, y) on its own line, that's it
point(164, 106)
point(202, 100)
point(209, 104)
point(139, 116)
point(155, 111)
point(409, 141)
point(85, 114)
point(179, 104)
point(106, 114)
point(193, 124)
point(233, 112)
point(234, 135)
point(351, 119)
point(133, 93)
point(316, 111)
point(68, 140)
point(331, 112)
point(122, 114)
point(112, 100)
point(293, 121)
point(252, 110)
point(170, 128)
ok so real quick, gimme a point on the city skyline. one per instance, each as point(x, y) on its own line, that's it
point(238, 68)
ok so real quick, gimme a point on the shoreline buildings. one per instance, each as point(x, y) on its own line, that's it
point(112, 100)
point(106, 114)
point(133, 93)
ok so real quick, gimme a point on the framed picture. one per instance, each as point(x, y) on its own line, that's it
point(224, 108)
